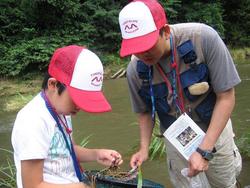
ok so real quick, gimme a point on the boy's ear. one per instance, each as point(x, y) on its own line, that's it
point(52, 83)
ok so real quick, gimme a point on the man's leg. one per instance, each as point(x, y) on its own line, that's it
point(226, 164)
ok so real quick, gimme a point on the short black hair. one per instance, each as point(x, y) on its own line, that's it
point(61, 87)
point(162, 31)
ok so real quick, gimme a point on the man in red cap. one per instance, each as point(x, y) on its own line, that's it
point(44, 152)
point(181, 69)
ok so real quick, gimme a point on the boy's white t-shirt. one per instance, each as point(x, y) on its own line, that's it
point(35, 135)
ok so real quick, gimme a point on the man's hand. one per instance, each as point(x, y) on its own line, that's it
point(196, 164)
point(138, 158)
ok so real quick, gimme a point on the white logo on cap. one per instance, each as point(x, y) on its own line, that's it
point(88, 72)
point(136, 20)
point(130, 26)
point(96, 79)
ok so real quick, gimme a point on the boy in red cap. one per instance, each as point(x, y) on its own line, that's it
point(44, 153)
point(177, 69)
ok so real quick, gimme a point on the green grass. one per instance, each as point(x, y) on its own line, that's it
point(15, 93)
point(140, 179)
point(114, 64)
point(7, 171)
point(243, 144)
point(157, 147)
point(240, 55)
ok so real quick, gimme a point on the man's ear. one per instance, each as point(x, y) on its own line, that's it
point(166, 29)
point(52, 83)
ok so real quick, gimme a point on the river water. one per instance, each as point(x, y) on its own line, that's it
point(118, 129)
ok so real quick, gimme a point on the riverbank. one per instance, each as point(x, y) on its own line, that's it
point(16, 92)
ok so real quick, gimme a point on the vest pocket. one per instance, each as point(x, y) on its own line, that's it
point(142, 70)
point(205, 109)
point(161, 104)
point(165, 120)
point(197, 74)
point(160, 97)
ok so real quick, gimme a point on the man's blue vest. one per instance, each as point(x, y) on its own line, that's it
point(195, 73)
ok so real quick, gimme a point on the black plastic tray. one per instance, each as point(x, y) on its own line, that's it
point(110, 182)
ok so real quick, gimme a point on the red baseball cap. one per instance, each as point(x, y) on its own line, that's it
point(82, 73)
point(140, 22)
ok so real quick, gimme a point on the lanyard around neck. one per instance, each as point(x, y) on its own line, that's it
point(69, 145)
point(151, 94)
point(174, 88)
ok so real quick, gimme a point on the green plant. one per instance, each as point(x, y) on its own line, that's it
point(157, 147)
point(209, 13)
point(139, 183)
point(240, 55)
point(85, 141)
point(8, 172)
point(17, 101)
point(243, 144)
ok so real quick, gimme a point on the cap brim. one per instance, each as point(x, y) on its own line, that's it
point(89, 101)
point(138, 44)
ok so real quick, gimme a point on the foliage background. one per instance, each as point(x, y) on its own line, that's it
point(32, 29)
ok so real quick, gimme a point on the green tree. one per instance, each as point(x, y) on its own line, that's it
point(32, 29)
point(237, 22)
point(208, 12)
point(11, 20)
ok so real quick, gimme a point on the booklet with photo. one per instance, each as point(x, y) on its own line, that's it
point(185, 135)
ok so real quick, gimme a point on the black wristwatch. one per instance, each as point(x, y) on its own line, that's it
point(206, 154)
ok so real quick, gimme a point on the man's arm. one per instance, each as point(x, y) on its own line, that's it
point(225, 102)
point(32, 176)
point(146, 128)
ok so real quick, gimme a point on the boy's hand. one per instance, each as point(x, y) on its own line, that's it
point(109, 157)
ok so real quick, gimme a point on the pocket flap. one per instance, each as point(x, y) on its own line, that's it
point(194, 75)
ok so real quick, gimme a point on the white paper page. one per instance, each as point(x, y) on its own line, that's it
point(185, 135)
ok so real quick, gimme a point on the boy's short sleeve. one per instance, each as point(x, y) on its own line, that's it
point(31, 137)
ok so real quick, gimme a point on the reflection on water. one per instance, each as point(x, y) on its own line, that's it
point(118, 129)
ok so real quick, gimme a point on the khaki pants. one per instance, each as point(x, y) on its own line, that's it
point(223, 168)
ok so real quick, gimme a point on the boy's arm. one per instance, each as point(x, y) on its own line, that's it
point(32, 176)
point(105, 157)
